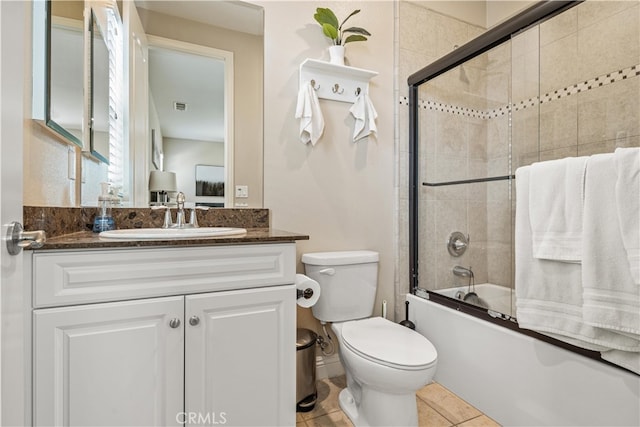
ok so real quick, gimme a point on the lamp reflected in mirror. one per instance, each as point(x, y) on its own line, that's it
point(161, 183)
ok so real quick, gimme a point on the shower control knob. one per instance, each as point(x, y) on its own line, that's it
point(457, 243)
point(174, 323)
point(194, 320)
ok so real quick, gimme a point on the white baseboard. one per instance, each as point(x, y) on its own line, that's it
point(328, 367)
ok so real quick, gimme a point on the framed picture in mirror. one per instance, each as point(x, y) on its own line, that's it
point(209, 180)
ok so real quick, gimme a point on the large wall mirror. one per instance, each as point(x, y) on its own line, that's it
point(59, 67)
point(231, 26)
point(205, 95)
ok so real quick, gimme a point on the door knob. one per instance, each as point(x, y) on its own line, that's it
point(17, 238)
point(174, 323)
point(194, 320)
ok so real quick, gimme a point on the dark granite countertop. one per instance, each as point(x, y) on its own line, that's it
point(89, 240)
point(69, 228)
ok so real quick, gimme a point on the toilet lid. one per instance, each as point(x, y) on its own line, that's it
point(388, 343)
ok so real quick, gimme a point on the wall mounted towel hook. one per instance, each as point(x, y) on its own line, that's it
point(334, 82)
point(358, 91)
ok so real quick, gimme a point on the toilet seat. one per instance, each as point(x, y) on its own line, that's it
point(384, 342)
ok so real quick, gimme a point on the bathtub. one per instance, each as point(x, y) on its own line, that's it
point(498, 298)
point(519, 380)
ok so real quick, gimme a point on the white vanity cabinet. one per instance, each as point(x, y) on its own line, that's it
point(211, 349)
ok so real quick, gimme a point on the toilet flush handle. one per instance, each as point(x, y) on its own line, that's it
point(328, 271)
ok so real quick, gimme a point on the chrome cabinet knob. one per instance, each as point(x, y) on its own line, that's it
point(174, 323)
point(194, 320)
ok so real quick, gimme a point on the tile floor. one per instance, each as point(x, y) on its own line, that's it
point(437, 406)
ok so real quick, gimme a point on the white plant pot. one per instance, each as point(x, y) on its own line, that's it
point(336, 55)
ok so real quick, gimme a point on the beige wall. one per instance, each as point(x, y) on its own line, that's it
point(248, 89)
point(339, 192)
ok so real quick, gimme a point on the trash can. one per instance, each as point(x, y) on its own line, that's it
point(306, 393)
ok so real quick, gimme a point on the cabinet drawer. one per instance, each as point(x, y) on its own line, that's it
point(70, 277)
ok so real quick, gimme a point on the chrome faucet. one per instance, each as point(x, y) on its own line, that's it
point(180, 214)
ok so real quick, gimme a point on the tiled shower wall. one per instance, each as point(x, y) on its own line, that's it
point(567, 87)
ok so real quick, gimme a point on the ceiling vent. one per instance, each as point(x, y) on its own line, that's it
point(180, 106)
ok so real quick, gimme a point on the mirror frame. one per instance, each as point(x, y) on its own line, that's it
point(41, 61)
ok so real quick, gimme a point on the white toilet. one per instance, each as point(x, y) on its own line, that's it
point(385, 363)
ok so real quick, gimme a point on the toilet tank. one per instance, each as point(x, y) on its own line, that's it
point(348, 282)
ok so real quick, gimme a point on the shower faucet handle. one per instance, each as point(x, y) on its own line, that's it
point(457, 243)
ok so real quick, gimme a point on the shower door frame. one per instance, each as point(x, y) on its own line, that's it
point(501, 33)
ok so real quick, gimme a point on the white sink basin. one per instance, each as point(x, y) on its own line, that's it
point(171, 233)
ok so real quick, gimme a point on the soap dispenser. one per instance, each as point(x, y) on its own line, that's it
point(104, 221)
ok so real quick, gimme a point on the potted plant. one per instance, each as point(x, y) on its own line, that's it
point(333, 29)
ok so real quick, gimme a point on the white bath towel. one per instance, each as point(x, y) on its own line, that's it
point(310, 115)
point(555, 208)
point(626, 359)
point(365, 114)
point(611, 296)
point(549, 293)
point(627, 162)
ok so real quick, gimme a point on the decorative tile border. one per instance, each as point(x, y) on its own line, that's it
point(584, 86)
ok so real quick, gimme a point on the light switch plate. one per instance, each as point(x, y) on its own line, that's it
point(242, 191)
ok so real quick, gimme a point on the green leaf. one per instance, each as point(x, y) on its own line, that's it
point(326, 16)
point(330, 31)
point(355, 38)
point(357, 30)
point(350, 15)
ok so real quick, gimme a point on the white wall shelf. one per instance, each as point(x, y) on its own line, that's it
point(335, 82)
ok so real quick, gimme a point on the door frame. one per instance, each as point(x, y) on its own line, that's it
point(15, 357)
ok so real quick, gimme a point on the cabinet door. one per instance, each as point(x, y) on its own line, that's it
point(109, 364)
point(240, 357)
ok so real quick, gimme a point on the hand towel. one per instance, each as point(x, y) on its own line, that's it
point(627, 162)
point(611, 296)
point(310, 115)
point(365, 115)
point(549, 293)
point(555, 207)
